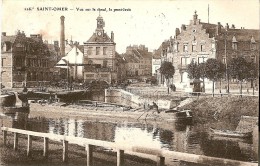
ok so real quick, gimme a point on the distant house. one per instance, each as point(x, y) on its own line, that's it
point(139, 61)
point(25, 61)
point(73, 62)
point(199, 41)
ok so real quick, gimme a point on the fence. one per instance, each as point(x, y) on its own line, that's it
point(90, 143)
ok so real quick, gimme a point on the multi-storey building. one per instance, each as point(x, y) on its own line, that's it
point(200, 41)
point(25, 61)
point(100, 54)
point(139, 61)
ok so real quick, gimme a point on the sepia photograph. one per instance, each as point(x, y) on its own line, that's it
point(129, 83)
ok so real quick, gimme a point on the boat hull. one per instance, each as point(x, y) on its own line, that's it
point(7, 100)
point(185, 115)
point(12, 110)
point(231, 134)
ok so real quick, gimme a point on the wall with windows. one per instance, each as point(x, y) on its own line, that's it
point(103, 54)
point(191, 44)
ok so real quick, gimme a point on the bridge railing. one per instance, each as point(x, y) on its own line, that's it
point(121, 149)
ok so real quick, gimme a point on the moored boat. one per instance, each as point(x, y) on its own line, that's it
point(175, 114)
point(12, 102)
point(230, 133)
point(7, 99)
point(14, 109)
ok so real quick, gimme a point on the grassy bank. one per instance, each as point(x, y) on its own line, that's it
point(226, 109)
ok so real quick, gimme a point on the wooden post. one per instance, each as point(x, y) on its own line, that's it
point(160, 161)
point(120, 157)
point(65, 151)
point(4, 135)
point(89, 149)
point(45, 147)
point(15, 141)
point(29, 145)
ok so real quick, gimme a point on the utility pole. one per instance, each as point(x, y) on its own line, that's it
point(226, 62)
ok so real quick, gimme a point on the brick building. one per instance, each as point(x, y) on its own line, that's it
point(139, 61)
point(100, 54)
point(25, 61)
point(199, 41)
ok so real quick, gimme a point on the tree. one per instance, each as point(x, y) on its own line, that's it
point(240, 69)
point(214, 70)
point(167, 70)
point(253, 73)
point(193, 70)
point(202, 74)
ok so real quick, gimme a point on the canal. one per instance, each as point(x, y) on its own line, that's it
point(176, 136)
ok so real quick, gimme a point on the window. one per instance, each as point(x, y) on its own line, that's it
point(175, 46)
point(97, 50)
point(213, 45)
point(253, 46)
point(253, 59)
point(234, 45)
point(193, 48)
point(90, 62)
point(202, 48)
point(185, 48)
point(89, 51)
point(105, 63)
point(2, 62)
point(202, 59)
point(185, 61)
point(104, 50)
point(224, 60)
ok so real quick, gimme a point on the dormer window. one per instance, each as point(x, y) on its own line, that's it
point(253, 59)
point(234, 43)
point(253, 44)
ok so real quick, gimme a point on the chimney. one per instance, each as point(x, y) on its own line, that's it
point(177, 32)
point(112, 36)
point(233, 26)
point(218, 28)
point(195, 17)
point(227, 26)
point(56, 43)
point(3, 33)
point(62, 36)
point(183, 27)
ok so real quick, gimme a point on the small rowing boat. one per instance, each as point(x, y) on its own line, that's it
point(179, 114)
point(230, 133)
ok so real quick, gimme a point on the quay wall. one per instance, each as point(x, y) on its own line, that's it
point(123, 97)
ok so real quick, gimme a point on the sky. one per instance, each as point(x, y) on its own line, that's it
point(149, 22)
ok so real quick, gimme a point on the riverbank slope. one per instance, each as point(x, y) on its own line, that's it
point(227, 109)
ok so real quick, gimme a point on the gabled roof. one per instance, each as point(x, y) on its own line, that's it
point(240, 35)
point(129, 58)
point(10, 39)
point(120, 58)
point(81, 48)
point(211, 29)
point(145, 54)
point(101, 39)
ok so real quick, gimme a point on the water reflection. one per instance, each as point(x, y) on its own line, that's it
point(14, 120)
point(179, 137)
